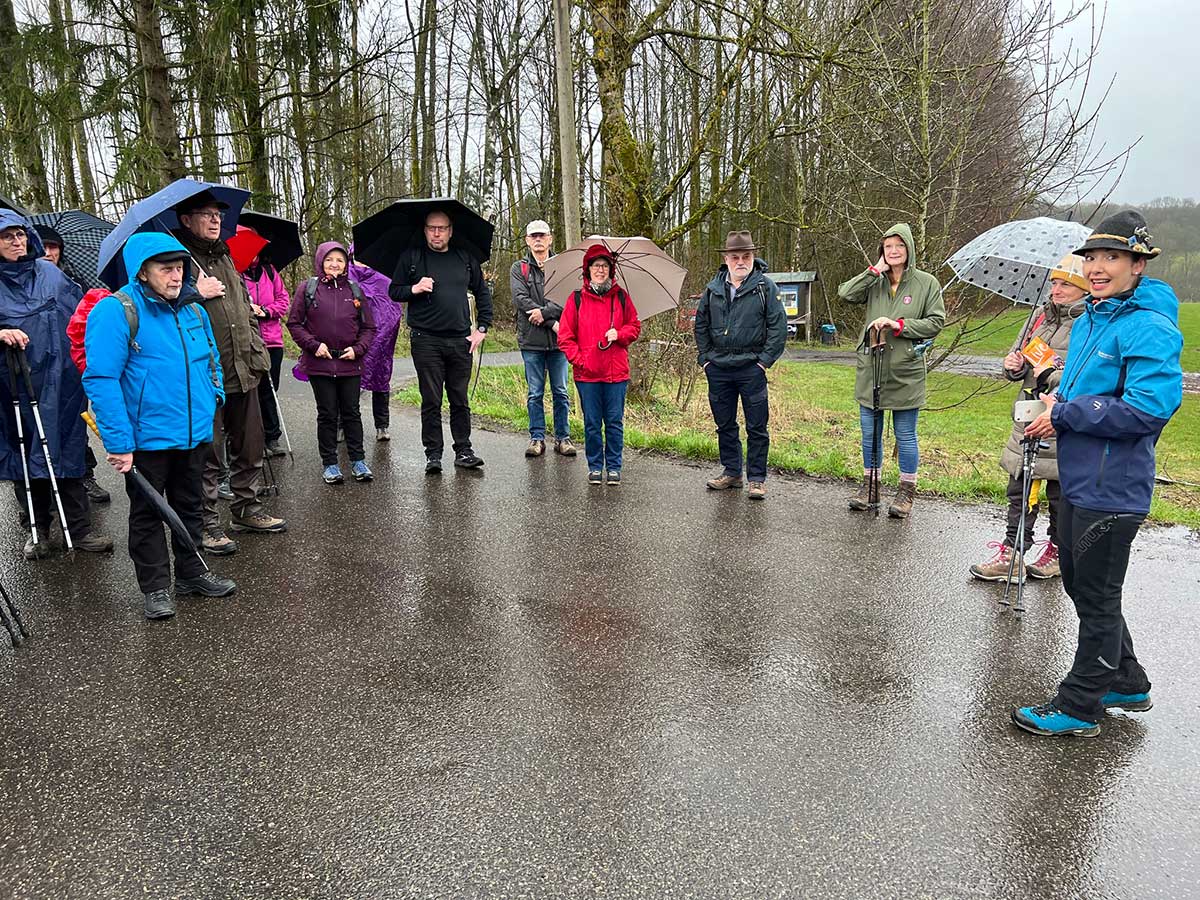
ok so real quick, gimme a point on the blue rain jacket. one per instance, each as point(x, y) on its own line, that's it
point(37, 298)
point(1121, 384)
point(161, 393)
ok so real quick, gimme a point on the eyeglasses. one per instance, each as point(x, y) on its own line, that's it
point(437, 228)
point(14, 237)
point(210, 214)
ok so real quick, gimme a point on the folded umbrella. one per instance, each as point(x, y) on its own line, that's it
point(652, 279)
point(6, 203)
point(380, 239)
point(283, 235)
point(245, 247)
point(157, 213)
point(82, 235)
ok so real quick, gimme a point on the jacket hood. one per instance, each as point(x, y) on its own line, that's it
point(904, 232)
point(324, 250)
point(599, 251)
point(35, 249)
point(1156, 296)
point(757, 271)
point(140, 247)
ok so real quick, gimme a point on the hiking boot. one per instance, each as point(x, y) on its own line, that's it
point(433, 466)
point(261, 522)
point(158, 605)
point(1047, 719)
point(903, 502)
point(382, 434)
point(596, 477)
point(333, 474)
point(359, 470)
point(862, 500)
point(273, 449)
point(1047, 564)
point(207, 585)
point(1139, 702)
point(215, 541)
point(96, 493)
point(564, 447)
point(535, 448)
point(40, 550)
point(466, 459)
point(94, 542)
point(996, 568)
point(757, 490)
point(724, 482)
point(224, 491)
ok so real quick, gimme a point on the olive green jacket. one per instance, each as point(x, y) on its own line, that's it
point(244, 357)
point(917, 304)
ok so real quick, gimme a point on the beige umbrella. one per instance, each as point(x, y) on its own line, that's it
point(651, 278)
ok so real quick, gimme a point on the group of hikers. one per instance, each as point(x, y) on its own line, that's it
point(182, 364)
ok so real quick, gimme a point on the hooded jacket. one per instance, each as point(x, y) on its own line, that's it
point(387, 314)
point(265, 286)
point(333, 318)
point(162, 393)
point(528, 282)
point(1053, 326)
point(37, 298)
point(582, 330)
point(1121, 385)
point(917, 305)
point(243, 355)
point(749, 328)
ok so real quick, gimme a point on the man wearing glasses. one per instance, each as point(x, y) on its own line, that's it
point(433, 279)
point(244, 361)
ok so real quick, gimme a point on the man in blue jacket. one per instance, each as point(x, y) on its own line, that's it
point(155, 393)
point(1121, 385)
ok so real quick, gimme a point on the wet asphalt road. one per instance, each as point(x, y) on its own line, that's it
point(510, 684)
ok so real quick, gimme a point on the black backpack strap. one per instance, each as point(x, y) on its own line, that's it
point(213, 373)
point(131, 319)
point(577, 296)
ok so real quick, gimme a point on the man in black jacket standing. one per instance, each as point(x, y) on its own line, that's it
point(741, 329)
point(433, 279)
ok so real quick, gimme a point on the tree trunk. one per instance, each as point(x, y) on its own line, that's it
point(20, 109)
point(159, 114)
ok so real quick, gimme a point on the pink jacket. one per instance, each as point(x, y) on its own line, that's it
point(269, 292)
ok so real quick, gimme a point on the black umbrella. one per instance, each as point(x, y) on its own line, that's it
point(5, 203)
point(380, 239)
point(82, 234)
point(158, 501)
point(285, 246)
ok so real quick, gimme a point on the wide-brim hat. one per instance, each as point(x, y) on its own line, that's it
point(737, 241)
point(198, 201)
point(1070, 270)
point(1125, 231)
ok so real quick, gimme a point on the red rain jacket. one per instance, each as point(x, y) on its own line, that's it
point(77, 326)
point(582, 330)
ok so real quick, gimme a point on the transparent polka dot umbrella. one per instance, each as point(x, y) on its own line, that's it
point(1014, 260)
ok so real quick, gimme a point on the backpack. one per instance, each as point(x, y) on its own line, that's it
point(577, 296)
point(310, 295)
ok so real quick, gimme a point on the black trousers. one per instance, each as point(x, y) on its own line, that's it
point(266, 402)
point(337, 400)
point(443, 366)
point(178, 475)
point(725, 386)
point(74, 500)
point(381, 409)
point(1094, 555)
point(1051, 491)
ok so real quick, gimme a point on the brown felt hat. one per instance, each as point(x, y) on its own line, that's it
point(737, 241)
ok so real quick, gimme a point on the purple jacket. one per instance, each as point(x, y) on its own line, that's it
point(334, 318)
point(387, 313)
point(269, 292)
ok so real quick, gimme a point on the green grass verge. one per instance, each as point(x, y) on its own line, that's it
point(814, 430)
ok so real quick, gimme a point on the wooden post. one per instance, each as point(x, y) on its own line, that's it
point(568, 149)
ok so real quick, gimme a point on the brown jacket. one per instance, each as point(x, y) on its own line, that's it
point(1055, 330)
point(244, 357)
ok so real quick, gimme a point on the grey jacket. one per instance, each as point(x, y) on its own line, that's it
point(528, 282)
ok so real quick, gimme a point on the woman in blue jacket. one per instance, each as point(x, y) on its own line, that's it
point(1121, 385)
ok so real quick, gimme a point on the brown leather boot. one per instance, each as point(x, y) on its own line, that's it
point(862, 500)
point(903, 503)
point(724, 482)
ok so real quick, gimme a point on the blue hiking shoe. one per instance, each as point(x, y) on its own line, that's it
point(359, 470)
point(1128, 702)
point(1048, 719)
point(333, 475)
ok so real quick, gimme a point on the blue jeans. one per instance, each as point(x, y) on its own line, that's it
point(603, 405)
point(904, 424)
point(539, 364)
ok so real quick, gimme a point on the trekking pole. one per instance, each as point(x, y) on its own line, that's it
point(27, 377)
point(878, 347)
point(1029, 450)
point(282, 424)
point(10, 618)
point(12, 386)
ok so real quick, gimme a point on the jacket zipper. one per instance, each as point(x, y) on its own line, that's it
point(187, 371)
point(1103, 463)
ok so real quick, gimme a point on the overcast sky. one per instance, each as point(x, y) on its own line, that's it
point(1153, 50)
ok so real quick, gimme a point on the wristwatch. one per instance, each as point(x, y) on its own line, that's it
point(482, 329)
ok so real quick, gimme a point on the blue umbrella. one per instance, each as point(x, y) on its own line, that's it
point(157, 213)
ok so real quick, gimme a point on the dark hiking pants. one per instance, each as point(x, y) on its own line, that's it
point(443, 366)
point(725, 387)
point(239, 420)
point(178, 475)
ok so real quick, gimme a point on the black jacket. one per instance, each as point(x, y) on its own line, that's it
point(446, 311)
point(750, 328)
point(528, 282)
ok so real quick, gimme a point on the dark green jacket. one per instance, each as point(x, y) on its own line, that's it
point(918, 304)
point(750, 328)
